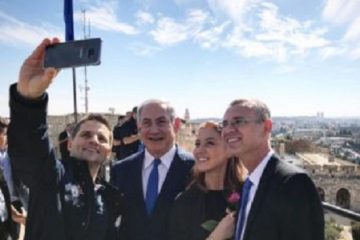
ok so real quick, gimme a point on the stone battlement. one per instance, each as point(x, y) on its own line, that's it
point(333, 169)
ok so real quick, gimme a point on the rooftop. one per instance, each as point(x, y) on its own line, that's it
point(322, 159)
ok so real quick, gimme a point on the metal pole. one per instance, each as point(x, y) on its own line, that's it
point(85, 69)
point(74, 91)
point(341, 211)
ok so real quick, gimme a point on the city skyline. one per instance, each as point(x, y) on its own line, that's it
point(300, 57)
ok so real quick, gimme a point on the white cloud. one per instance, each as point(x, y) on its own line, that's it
point(211, 38)
point(274, 36)
point(186, 2)
point(104, 17)
point(234, 9)
point(252, 48)
point(144, 49)
point(264, 34)
point(355, 53)
point(144, 18)
point(257, 49)
point(252, 29)
point(353, 32)
point(169, 32)
point(285, 69)
point(341, 11)
point(198, 26)
point(329, 52)
point(288, 30)
point(197, 16)
point(14, 31)
point(347, 14)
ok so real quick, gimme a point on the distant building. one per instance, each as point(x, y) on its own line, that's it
point(320, 115)
point(329, 141)
point(187, 115)
point(308, 133)
point(282, 149)
point(337, 181)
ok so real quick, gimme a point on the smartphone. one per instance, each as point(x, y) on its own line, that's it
point(73, 53)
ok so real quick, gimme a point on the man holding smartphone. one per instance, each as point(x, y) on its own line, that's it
point(68, 200)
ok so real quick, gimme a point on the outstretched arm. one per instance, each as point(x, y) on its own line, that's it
point(30, 151)
point(33, 78)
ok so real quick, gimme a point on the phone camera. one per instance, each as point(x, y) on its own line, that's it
point(91, 53)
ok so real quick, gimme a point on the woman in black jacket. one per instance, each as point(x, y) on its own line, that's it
point(204, 210)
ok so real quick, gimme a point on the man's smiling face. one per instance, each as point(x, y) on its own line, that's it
point(156, 129)
point(92, 143)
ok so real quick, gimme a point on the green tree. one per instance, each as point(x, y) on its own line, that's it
point(355, 230)
point(299, 145)
point(332, 230)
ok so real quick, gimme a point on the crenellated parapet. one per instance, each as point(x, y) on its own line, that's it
point(338, 181)
point(333, 170)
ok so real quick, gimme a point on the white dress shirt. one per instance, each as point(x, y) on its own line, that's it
point(163, 167)
point(255, 177)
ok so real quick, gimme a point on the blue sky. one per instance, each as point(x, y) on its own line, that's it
point(299, 56)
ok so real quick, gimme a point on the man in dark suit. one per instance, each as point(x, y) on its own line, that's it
point(151, 179)
point(278, 201)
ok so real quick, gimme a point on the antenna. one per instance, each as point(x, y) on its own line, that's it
point(86, 88)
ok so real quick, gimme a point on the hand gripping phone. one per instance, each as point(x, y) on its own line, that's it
point(73, 53)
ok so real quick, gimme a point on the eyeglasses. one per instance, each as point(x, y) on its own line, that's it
point(238, 122)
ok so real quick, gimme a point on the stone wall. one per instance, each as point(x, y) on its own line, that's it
point(331, 179)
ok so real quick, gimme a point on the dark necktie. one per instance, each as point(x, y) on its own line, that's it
point(244, 198)
point(152, 187)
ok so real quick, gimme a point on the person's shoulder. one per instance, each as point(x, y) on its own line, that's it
point(283, 168)
point(184, 155)
point(110, 189)
point(189, 195)
point(129, 161)
point(290, 174)
point(116, 128)
point(132, 122)
point(128, 123)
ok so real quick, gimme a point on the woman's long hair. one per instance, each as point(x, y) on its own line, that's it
point(234, 174)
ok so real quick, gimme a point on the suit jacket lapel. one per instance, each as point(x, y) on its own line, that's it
point(173, 177)
point(137, 182)
point(172, 184)
point(260, 193)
